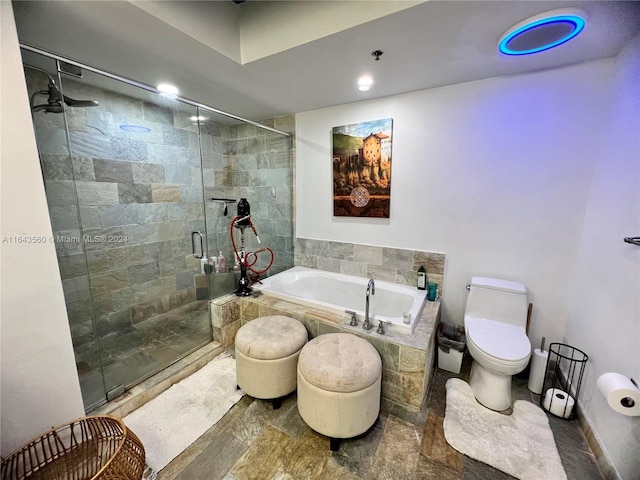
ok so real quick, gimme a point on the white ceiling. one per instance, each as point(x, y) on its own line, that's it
point(262, 59)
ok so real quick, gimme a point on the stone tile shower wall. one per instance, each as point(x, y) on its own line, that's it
point(139, 197)
point(368, 261)
point(255, 164)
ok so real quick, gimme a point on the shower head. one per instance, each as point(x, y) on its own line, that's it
point(79, 103)
point(54, 102)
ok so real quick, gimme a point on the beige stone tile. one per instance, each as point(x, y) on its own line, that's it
point(230, 313)
point(212, 460)
point(412, 368)
point(229, 333)
point(290, 421)
point(324, 328)
point(334, 471)
point(400, 445)
point(310, 324)
point(412, 360)
point(324, 316)
point(382, 470)
point(392, 387)
point(412, 388)
point(430, 470)
point(406, 412)
point(216, 315)
point(265, 457)
point(256, 417)
point(308, 457)
point(266, 311)
point(162, 193)
point(435, 447)
point(249, 310)
point(436, 263)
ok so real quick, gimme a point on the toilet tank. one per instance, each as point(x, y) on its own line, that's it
point(496, 299)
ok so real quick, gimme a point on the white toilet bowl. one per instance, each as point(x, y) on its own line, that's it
point(499, 350)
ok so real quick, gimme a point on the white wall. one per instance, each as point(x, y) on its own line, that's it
point(604, 308)
point(39, 384)
point(495, 174)
point(533, 178)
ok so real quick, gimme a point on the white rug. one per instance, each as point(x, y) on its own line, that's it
point(520, 444)
point(173, 420)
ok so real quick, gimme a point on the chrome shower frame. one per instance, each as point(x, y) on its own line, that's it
point(149, 88)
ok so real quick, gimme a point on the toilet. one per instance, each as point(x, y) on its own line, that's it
point(495, 320)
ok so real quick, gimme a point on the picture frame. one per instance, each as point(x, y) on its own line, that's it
point(362, 158)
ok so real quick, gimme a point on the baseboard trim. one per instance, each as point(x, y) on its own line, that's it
point(603, 461)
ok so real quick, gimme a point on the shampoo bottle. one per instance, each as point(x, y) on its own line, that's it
point(422, 279)
point(222, 263)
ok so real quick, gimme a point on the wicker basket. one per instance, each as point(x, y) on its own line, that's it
point(96, 447)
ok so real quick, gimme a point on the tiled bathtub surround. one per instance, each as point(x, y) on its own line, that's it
point(407, 360)
point(381, 263)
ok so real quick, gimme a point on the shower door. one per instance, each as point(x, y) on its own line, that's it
point(124, 182)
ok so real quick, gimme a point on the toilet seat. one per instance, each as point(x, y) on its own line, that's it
point(503, 342)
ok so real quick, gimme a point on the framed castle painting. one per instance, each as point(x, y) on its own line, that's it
point(362, 169)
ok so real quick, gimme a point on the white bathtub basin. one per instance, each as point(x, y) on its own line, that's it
point(345, 292)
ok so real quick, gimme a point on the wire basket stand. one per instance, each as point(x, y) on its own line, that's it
point(562, 381)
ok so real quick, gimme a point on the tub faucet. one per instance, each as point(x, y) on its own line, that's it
point(371, 289)
point(381, 325)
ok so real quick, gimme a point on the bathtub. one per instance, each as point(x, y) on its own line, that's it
point(345, 292)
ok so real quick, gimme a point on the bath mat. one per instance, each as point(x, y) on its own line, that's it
point(173, 420)
point(520, 444)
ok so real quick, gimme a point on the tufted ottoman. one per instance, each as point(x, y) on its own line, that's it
point(339, 378)
point(267, 350)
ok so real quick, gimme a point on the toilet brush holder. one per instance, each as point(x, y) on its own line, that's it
point(538, 368)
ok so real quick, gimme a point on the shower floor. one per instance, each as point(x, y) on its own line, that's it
point(141, 350)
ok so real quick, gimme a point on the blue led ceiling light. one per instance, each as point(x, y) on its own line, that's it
point(541, 32)
point(135, 128)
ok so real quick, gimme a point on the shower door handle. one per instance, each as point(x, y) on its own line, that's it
point(193, 244)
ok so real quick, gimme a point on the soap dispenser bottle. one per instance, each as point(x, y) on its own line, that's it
point(222, 263)
point(422, 279)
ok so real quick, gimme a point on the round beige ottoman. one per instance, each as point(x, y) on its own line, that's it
point(339, 378)
point(267, 350)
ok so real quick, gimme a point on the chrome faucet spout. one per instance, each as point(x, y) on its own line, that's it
point(371, 290)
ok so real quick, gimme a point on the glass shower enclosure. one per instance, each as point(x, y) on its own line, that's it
point(129, 177)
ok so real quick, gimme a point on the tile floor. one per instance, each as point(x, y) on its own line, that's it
point(135, 352)
point(253, 441)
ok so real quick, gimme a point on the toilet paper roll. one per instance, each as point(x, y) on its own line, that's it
point(537, 370)
point(558, 402)
point(621, 394)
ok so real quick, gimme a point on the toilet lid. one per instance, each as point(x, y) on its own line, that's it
point(498, 339)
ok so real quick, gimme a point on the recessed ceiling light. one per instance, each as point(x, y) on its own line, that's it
point(364, 83)
point(199, 118)
point(542, 32)
point(168, 90)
